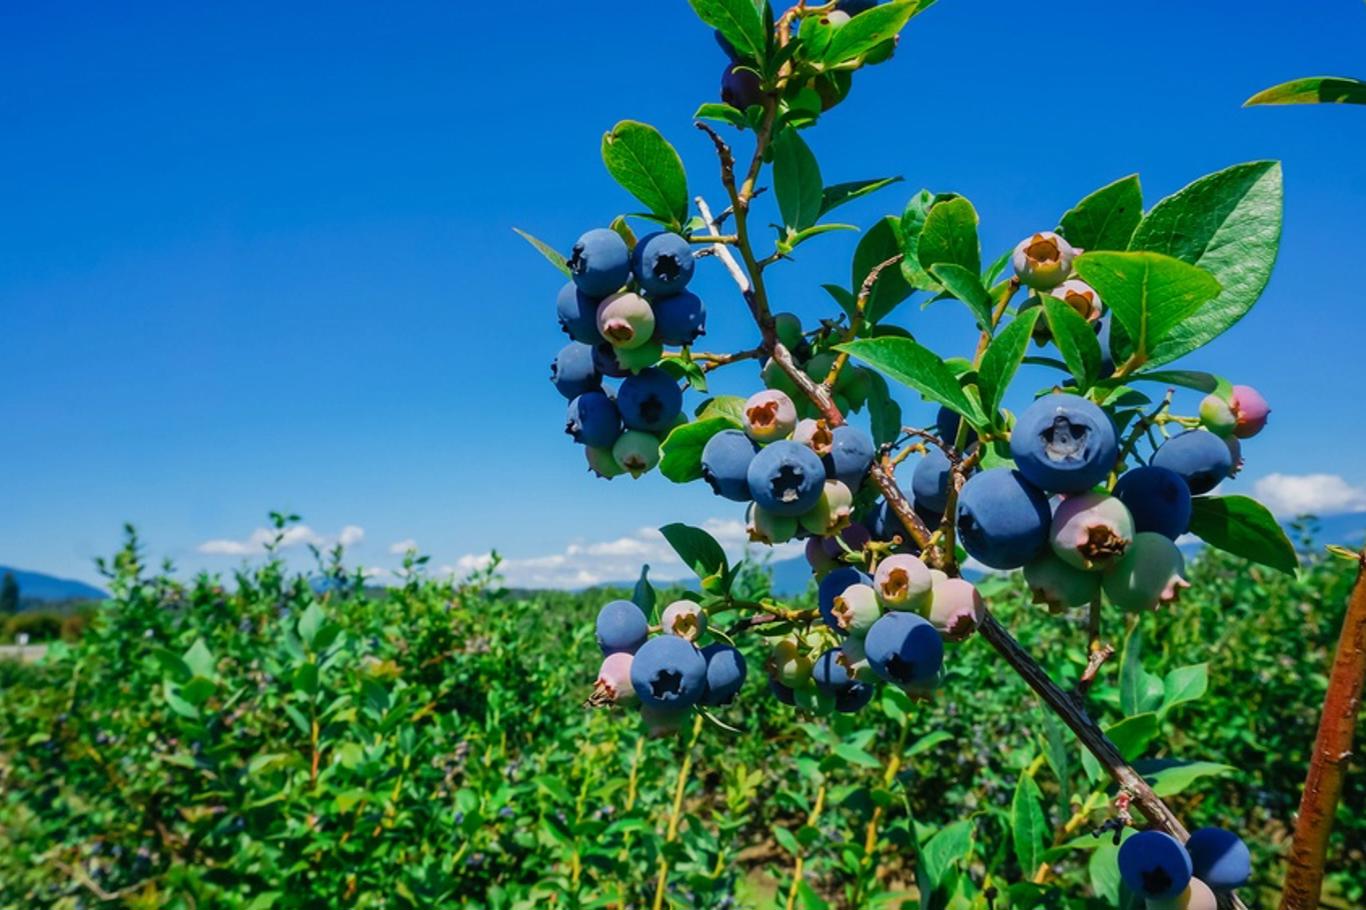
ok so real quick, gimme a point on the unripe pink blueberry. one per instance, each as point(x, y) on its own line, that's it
point(765, 527)
point(957, 609)
point(1058, 585)
point(1081, 297)
point(1216, 415)
point(789, 665)
point(636, 451)
point(602, 463)
point(1091, 531)
point(903, 582)
point(1197, 896)
point(856, 609)
point(685, 619)
point(1043, 260)
point(1148, 575)
point(769, 415)
point(1251, 410)
point(831, 512)
point(626, 320)
point(815, 434)
point(613, 685)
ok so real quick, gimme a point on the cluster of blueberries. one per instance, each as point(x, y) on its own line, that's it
point(620, 310)
point(1171, 875)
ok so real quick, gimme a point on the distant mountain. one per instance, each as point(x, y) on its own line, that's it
point(37, 586)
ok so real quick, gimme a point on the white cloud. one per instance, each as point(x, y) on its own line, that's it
point(398, 548)
point(1288, 495)
point(293, 536)
point(582, 564)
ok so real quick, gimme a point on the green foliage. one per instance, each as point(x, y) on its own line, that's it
point(9, 595)
point(1313, 90)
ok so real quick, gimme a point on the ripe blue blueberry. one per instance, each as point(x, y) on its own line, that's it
point(600, 262)
point(1002, 518)
point(1219, 858)
point(578, 314)
point(573, 372)
point(832, 586)
point(930, 480)
point(781, 692)
point(605, 360)
point(946, 423)
point(621, 627)
point(725, 464)
point(1155, 865)
point(851, 454)
point(1158, 499)
point(726, 673)
point(903, 648)
point(786, 478)
point(831, 673)
point(854, 7)
point(1064, 444)
point(662, 263)
point(740, 88)
point(668, 672)
point(649, 400)
point(680, 319)
point(1201, 458)
point(593, 420)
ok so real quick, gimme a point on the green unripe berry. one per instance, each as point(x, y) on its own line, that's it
point(637, 452)
point(832, 511)
point(765, 527)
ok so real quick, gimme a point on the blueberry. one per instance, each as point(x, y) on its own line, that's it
point(1081, 297)
point(1219, 858)
point(957, 608)
point(766, 528)
point(613, 685)
point(1201, 458)
point(593, 420)
point(600, 263)
point(668, 672)
point(855, 609)
point(769, 415)
point(1197, 896)
point(602, 463)
point(606, 362)
point(1043, 261)
point(573, 372)
point(855, 538)
point(1059, 586)
point(946, 424)
point(685, 619)
point(786, 478)
point(1002, 518)
point(1250, 409)
point(788, 328)
point(1158, 499)
point(740, 87)
point(1064, 444)
point(621, 627)
point(832, 585)
point(662, 263)
point(854, 7)
point(885, 524)
point(851, 455)
point(905, 649)
point(1148, 576)
point(649, 400)
point(1091, 531)
point(781, 692)
point(831, 512)
point(820, 559)
point(680, 319)
point(831, 673)
point(903, 582)
point(725, 464)
point(626, 320)
point(930, 480)
point(1155, 865)
point(636, 451)
point(1216, 415)
point(726, 673)
point(578, 314)
point(854, 697)
point(789, 664)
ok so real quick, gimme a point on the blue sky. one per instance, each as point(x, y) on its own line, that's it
point(261, 257)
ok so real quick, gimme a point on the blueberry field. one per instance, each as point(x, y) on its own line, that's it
point(248, 742)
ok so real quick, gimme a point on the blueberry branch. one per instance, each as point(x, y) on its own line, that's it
point(856, 322)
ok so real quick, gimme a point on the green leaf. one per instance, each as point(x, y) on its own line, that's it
point(643, 595)
point(310, 622)
point(681, 453)
point(1184, 684)
point(912, 225)
point(1312, 90)
point(646, 166)
point(1075, 339)
point(964, 285)
point(1103, 869)
point(1149, 293)
point(797, 238)
point(1055, 751)
point(881, 243)
point(950, 235)
point(739, 21)
point(949, 845)
point(1228, 223)
point(199, 661)
point(698, 549)
point(546, 250)
point(1105, 220)
point(177, 704)
point(1133, 734)
point(730, 407)
point(1168, 777)
point(856, 756)
point(1028, 828)
point(786, 840)
point(834, 196)
point(796, 181)
point(1244, 527)
point(721, 113)
point(1190, 379)
point(1002, 360)
point(1139, 690)
point(884, 413)
point(926, 742)
point(916, 366)
point(870, 28)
